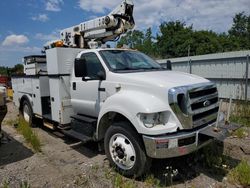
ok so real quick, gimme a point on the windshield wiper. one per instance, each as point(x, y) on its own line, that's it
point(151, 68)
point(127, 68)
point(138, 69)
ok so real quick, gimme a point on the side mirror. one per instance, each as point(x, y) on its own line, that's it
point(80, 67)
point(101, 75)
point(168, 65)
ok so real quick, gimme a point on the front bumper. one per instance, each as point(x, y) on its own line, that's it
point(179, 143)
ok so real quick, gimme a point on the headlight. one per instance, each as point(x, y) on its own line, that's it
point(152, 119)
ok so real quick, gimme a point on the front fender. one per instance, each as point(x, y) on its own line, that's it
point(130, 103)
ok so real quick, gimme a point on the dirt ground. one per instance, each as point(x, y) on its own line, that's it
point(64, 162)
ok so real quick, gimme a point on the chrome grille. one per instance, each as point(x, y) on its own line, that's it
point(195, 105)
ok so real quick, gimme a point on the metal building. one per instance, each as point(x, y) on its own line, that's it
point(229, 70)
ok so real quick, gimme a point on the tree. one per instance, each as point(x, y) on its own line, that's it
point(228, 43)
point(205, 42)
point(3, 71)
point(174, 39)
point(240, 30)
point(149, 46)
point(17, 69)
point(6, 71)
point(133, 39)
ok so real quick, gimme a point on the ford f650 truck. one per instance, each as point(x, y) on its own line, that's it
point(119, 98)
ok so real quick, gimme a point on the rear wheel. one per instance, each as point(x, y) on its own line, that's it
point(27, 113)
point(125, 150)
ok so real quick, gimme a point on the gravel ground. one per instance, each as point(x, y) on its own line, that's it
point(64, 162)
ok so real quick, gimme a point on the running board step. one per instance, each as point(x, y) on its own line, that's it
point(64, 127)
point(77, 135)
point(49, 125)
point(84, 119)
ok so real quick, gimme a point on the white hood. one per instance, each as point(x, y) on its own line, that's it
point(166, 79)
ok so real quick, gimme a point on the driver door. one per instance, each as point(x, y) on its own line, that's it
point(87, 93)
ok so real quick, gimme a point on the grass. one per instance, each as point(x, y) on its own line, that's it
point(212, 156)
point(29, 135)
point(120, 182)
point(6, 184)
point(117, 180)
point(82, 181)
point(240, 133)
point(11, 122)
point(241, 113)
point(151, 181)
point(23, 184)
point(241, 174)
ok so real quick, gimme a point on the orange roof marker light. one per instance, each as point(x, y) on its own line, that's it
point(58, 43)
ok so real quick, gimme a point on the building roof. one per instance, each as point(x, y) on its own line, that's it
point(223, 55)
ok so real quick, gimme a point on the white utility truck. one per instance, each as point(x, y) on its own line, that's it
point(120, 98)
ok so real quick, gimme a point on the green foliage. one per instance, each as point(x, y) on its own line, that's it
point(6, 71)
point(82, 181)
point(241, 113)
point(149, 47)
point(11, 122)
point(6, 184)
point(24, 184)
point(241, 174)
point(240, 133)
point(175, 39)
point(17, 69)
point(138, 40)
point(241, 30)
point(29, 135)
point(119, 181)
point(213, 158)
point(151, 181)
point(133, 39)
point(3, 70)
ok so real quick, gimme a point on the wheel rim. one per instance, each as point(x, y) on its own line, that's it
point(122, 151)
point(26, 113)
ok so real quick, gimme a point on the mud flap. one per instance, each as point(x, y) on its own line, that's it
point(221, 132)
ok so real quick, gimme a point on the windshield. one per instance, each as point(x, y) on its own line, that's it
point(124, 60)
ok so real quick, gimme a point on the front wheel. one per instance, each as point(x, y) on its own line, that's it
point(124, 149)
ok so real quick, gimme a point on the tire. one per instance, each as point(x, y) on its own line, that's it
point(125, 150)
point(27, 113)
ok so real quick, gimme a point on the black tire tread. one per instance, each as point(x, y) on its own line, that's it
point(25, 102)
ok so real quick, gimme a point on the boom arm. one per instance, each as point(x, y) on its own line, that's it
point(102, 29)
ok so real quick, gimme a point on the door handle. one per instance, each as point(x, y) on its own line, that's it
point(74, 86)
point(101, 89)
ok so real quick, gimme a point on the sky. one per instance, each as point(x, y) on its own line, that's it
point(25, 25)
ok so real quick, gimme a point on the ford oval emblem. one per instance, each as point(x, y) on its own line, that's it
point(206, 103)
